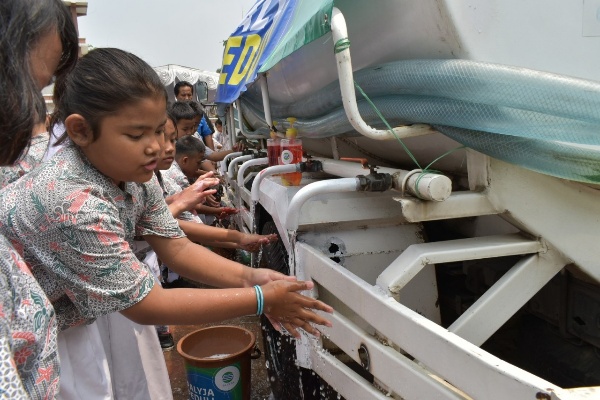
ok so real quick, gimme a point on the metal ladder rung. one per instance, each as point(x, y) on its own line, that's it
point(458, 205)
point(415, 257)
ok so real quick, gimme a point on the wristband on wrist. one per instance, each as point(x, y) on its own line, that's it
point(260, 300)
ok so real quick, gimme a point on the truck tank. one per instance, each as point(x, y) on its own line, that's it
point(449, 205)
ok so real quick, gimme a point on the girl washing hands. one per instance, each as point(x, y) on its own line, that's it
point(74, 218)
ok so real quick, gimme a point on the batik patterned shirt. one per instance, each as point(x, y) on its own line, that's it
point(171, 188)
point(29, 161)
point(175, 173)
point(75, 228)
point(29, 366)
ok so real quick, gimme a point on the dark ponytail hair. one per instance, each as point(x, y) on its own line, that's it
point(102, 82)
point(22, 24)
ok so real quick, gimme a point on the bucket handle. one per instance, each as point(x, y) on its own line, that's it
point(256, 353)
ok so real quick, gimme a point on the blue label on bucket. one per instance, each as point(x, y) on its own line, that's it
point(223, 383)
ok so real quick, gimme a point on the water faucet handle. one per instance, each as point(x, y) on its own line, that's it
point(362, 161)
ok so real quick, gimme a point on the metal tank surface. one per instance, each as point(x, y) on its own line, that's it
point(450, 196)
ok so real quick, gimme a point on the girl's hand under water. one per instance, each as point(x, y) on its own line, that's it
point(288, 309)
point(253, 242)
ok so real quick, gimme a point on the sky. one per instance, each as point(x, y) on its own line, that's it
point(161, 32)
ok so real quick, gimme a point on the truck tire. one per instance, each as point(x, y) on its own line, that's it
point(287, 380)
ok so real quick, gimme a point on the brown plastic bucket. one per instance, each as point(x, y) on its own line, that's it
point(217, 362)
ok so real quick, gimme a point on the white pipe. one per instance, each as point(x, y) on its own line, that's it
point(430, 186)
point(344, 67)
point(237, 134)
point(264, 89)
point(276, 169)
point(255, 190)
point(314, 189)
point(229, 157)
point(248, 164)
point(231, 127)
point(241, 123)
point(235, 162)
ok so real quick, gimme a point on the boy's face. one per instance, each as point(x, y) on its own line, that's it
point(130, 142)
point(168, 153)
point(185, 93)
point(190, 165)
point(185, 127)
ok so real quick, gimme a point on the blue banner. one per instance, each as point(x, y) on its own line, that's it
point(250, 45)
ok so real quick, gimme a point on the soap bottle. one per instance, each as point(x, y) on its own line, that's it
point(273, 147)
point(291, 153)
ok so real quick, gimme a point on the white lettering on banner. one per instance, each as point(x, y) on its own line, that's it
point(260, 21)
point(248, 56)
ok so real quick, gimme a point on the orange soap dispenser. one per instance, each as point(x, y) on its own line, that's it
point(291, 153)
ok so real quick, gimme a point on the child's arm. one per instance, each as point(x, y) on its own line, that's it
point(200, 264)
point(218, 155)
point(219, 212)
point(206, 167)
point(225, 238)
point(193, 261)
point(198, 306)
point(208, 140)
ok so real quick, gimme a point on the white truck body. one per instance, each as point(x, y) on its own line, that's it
point(434, 299)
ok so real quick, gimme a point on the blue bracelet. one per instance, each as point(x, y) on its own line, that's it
point(260, 300)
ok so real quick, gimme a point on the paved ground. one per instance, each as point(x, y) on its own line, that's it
point(175, 363)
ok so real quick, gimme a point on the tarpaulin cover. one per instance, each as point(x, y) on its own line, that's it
point(271, 30)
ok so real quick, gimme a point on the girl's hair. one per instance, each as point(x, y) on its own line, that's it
point(22, 24)
point(102, 82)
point(171, 117)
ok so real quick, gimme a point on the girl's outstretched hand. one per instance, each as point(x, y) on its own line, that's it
point(224, 212)
point(293, 311)
point(262, 276)
point(190, 197)
point(211, 201)
point(204, 182)
point(252, 242)
point(197, 192)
